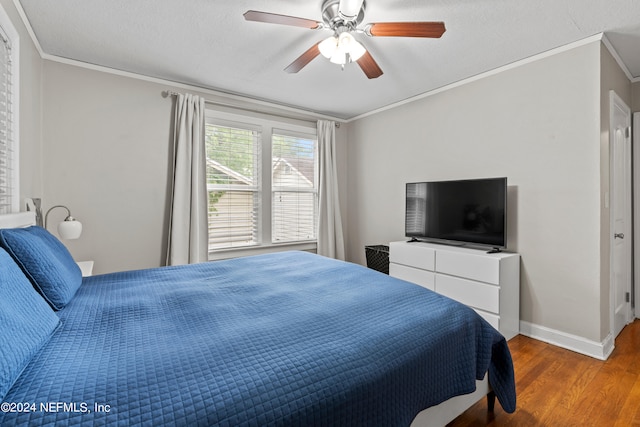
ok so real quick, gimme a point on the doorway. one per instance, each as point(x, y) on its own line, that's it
point(621, 213)
point(636, 207)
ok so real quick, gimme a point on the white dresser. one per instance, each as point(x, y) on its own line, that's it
point(489, 283)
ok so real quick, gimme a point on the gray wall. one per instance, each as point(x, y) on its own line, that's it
point(635, 96)
point(539, 125)
point(107, 145)
point(30, 108)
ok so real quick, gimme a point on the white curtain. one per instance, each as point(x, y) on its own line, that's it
point(330, 238)
point(188, 234)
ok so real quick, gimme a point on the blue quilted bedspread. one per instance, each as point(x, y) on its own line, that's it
point(282, 339)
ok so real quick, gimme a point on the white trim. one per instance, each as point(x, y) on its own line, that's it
point(244, 98)
point(489, 73)
point(14, 40)
point(635, 142)
point(304, 114)
point(17, 220)
point(599, 350)
point(616, 102)
point(27, 24)
point(447, 411)
point(95, 67)
point(218, 254)
point(108, 70)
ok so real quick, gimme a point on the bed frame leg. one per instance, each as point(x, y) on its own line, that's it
point(491, 401)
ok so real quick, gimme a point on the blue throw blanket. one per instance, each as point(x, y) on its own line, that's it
point(282, 339)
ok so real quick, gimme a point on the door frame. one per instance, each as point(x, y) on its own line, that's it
point(615, 102)
point(635, 141)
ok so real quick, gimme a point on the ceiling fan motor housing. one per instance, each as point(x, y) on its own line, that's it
point(334, 20)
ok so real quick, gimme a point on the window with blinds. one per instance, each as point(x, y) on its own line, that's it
point(8, 148)
point(233, 184)
point(261, 179)
point(294, 198)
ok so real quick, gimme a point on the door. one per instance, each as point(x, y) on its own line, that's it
point(621, 213)
point(635, 134)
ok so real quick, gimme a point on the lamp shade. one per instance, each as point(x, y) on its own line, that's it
point(328, 46)
point(70, 228)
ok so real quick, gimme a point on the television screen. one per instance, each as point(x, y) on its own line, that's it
point(469, 211)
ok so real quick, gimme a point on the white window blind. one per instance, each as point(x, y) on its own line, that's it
point(294, 187)
point(261, 178)
point(233, 184)
point(8, 148)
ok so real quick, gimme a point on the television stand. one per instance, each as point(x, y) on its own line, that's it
point(494, 251)
point(488, 283)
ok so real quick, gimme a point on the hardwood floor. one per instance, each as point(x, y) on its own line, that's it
point(557, 387)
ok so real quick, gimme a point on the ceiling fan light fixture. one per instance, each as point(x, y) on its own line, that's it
point(356, 50)
point(328, 47)
point(339, 57)
point(348, 44)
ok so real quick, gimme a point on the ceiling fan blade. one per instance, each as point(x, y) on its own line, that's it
point(369, 66)
point(303, 59)
point(406, 29)
point(273, 18)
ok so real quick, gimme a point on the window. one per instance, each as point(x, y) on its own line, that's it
point(233, 184)
point(9, 191)
point(261, 181)
point(294, 190)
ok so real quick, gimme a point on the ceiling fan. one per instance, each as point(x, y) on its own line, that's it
point(343, 18)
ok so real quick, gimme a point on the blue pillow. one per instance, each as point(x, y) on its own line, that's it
point(26, 322)
point(45, 261)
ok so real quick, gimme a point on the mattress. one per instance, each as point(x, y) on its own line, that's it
point(281, 339)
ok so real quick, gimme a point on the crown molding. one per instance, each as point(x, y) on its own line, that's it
point(516, 64)
point(596, 37)
point(303, 114)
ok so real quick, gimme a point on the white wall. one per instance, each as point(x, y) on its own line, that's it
point(538, 124)
point(107, 144)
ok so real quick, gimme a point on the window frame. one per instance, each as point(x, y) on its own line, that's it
point(297, 189)
point(268, 125)
point(13, 41)
point(255, 189)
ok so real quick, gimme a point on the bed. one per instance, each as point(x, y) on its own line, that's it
point(290, 338)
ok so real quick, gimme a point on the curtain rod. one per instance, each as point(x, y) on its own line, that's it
point(167, 93)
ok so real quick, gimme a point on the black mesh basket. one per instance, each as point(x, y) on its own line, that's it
point(378, 257)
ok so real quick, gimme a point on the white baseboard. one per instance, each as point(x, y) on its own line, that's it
point(599, 350)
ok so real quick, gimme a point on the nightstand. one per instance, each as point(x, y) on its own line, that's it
point(86, 267)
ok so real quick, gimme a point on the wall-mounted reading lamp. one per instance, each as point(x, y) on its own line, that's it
point(68, 229)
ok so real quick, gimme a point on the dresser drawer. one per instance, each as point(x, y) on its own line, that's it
point(414, 275)
point(470, 266)
point(492, 319)
point(412, 254)
point(478, 295)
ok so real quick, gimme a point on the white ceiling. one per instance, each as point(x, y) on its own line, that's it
point(207, 43)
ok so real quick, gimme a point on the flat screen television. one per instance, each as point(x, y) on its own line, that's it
point(471, 212)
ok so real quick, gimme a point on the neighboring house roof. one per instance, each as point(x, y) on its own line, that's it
point(237, 176)
point(301, 166)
